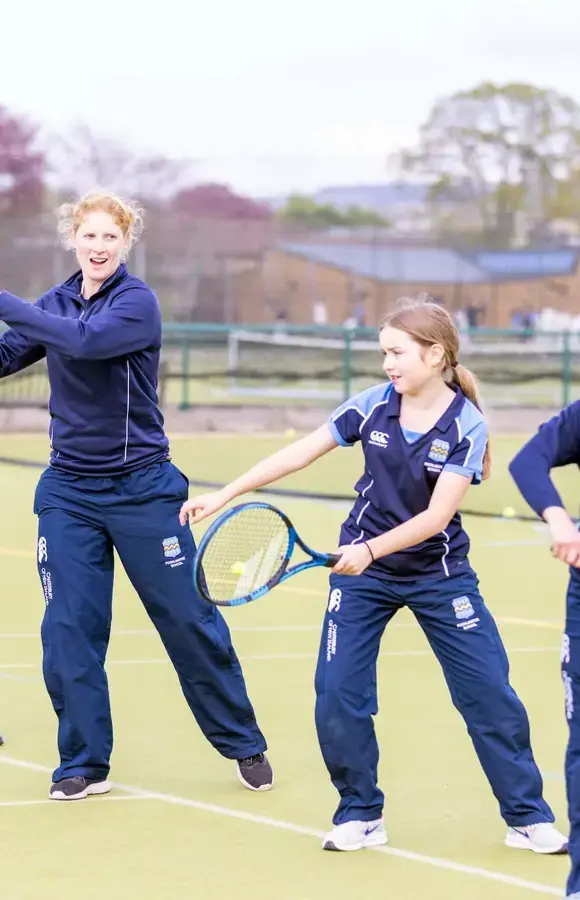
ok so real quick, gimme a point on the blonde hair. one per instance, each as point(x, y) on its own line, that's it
point(127, 215)
point(428, 323)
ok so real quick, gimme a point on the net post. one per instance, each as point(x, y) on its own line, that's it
point(233, 356)
point(184, 404)
point(347, 363)
point(566, 369)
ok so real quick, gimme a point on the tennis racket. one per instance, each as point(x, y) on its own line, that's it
point(247, 551)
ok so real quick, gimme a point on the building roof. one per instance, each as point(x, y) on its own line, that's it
point(527, 263)
point(435, 265)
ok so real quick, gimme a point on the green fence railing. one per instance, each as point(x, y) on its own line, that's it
point(209, 364)
point(258, 363)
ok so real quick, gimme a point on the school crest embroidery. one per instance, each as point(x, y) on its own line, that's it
point(463, 608)
point(439, 450)
point(171, 547)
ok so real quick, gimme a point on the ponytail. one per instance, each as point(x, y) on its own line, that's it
point(468, 385)
point(428, 323)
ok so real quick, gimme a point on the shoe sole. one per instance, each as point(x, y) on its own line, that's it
point(362, 845)
point(250, 787)
point(515, 843)
point(103, 787)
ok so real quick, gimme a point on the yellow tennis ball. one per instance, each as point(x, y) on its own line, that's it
point(238, 568)
point(290, 432)
point(509, 512)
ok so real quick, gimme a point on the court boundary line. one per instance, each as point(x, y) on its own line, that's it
point(5, 804)
point(273, 657)
point(241, 815)
point(151, 632)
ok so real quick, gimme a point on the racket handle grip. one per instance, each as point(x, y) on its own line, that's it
point(332, 560)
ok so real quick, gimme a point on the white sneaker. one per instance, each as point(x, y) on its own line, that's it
point(355, 836)
point(540, 838)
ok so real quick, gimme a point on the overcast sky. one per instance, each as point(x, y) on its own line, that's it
point(268, 96)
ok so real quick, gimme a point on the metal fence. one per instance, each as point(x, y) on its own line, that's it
point(209, 364)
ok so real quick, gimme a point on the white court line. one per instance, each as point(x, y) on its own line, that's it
point(530, 543)
point(276, 656)
point(434, 861)
point(288, 629)
point(150, 632)
point(35, 665)
point(551, 624)
point(427, 652)
point(10, 676)
point(108, 798)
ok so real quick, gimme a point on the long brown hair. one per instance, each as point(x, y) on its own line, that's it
point(428, 323)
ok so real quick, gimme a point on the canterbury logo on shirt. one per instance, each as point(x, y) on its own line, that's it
point(379, 438)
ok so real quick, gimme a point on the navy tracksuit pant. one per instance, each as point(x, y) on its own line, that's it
point(81, 520)
point(571, 679)
point(466, 642)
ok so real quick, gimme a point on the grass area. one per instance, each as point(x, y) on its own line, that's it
point(185, 826)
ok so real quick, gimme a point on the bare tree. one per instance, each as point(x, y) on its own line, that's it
point(22, 165)
point(83, 159)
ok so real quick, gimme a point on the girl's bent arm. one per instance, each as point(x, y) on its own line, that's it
point(292, 458)
point(445, 501)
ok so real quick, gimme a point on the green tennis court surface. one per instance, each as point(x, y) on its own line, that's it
point(179, 824)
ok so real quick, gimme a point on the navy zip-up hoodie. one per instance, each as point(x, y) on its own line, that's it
point(103, 363)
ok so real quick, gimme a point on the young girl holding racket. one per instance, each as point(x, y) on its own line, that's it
point(403, 544)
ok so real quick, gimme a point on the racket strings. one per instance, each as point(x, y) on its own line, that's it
point(245, 554)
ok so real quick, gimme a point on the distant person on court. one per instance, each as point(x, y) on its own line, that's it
point(425, 442)
point(109, 486)
point(556, 444)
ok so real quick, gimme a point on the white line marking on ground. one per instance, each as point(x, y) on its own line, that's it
point(286, 629)
point(276, 656)
point(531, 623)
point(150, 632)
point(10, 676)
point(19, 665)
point(21, 554)
point(283, 656)
point(434, 861)
point(316, 628)
point(107, 797)
point(530, 543)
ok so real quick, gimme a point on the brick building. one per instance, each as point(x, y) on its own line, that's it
point(317, 282)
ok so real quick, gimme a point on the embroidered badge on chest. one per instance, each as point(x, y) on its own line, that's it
point(439, 450)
